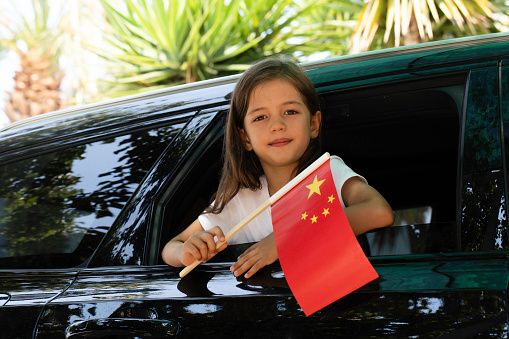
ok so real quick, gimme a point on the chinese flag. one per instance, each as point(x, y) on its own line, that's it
point(318, 251)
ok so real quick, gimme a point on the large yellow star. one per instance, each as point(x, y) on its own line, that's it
point(315, 187)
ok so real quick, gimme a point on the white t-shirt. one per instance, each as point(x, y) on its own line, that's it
point(247, 200)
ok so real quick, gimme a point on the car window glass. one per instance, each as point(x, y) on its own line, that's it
point(56, 207)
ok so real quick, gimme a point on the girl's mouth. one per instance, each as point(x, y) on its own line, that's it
point(280, 142)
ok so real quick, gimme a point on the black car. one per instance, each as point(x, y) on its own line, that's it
point(90, 195)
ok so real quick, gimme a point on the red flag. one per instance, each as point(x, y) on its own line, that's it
point(318, 251)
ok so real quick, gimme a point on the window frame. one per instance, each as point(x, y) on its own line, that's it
point(447, 81)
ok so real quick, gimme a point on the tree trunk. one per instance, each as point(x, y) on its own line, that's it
point(36, 88)
point(412, 37)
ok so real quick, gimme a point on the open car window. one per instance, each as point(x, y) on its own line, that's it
point(403, 138)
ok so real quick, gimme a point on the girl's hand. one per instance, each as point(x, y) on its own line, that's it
point(256, 257)
point(201, 246)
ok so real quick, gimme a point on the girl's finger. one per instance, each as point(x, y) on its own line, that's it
point(244, 264)
point(217, 232)
point(191, 248)
point(200, 246)
point(238, 264)
point(249, 252)
point(208, 239)
point(255, 268)
point(193, 251)
point(222, 247)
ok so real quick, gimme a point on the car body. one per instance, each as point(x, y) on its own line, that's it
point(90, 195)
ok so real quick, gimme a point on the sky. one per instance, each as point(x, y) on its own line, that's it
point(8, 64)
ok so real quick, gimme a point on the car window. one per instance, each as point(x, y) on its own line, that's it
point(56, 207)
point(403, 138)
point(179, 208)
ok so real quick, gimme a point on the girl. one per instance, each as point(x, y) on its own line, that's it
point(272, 133)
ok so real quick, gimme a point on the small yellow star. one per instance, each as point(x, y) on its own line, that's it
point(315, 187)
point(325, 212)
point(331, 198)
point(304, 216)
point(314, 219)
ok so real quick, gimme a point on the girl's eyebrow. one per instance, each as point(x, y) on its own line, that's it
point(255, 110)
point(291, 102)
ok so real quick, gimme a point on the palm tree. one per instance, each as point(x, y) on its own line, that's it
point(329, 25)
point(388, 23)
point(37, 84)
point(156, 44)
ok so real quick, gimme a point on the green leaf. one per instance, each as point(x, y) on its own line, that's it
point(201, 39)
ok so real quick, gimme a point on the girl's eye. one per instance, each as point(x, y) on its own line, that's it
point(291, 112)
point(259, 118)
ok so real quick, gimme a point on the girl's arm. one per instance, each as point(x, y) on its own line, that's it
point(366, 208)
point(194, 243)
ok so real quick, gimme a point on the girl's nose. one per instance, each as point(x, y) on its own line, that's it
point(277, 125)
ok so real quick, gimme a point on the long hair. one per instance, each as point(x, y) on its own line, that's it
point(241, 168)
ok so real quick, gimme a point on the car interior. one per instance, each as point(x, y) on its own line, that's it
point(402, 137)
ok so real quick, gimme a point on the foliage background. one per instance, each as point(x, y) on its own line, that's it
point(134, 47)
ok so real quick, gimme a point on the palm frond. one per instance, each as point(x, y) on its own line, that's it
point(397, 22)
point(158, 43)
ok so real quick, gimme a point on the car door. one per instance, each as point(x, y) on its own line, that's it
point(114, 273)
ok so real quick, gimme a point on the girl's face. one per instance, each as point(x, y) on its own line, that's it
point(278, 126)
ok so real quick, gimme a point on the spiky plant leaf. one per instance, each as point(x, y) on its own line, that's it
point(191, 40)
point(387, 23)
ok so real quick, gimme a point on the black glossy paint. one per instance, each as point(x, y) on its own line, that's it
point(428, 297)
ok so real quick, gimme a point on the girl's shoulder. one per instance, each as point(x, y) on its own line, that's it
point(341, 171)
point(335, 158)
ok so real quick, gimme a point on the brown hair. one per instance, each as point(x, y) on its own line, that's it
point(241, 168)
